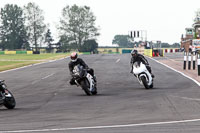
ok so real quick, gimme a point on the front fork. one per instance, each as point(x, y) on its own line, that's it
point(92, 82)
point(77, 83)
point(2, 92)
point(3, 87)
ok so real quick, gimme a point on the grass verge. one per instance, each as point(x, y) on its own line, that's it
point(6, 65)
point(14, 61)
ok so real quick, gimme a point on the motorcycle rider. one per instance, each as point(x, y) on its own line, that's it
point(138, 57)
point(75, 61)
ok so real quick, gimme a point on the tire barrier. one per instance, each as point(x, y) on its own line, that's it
point(15, 52)
point(172, 50)
point(158, 52)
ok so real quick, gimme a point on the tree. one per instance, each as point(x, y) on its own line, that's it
point(122, 41)
point(89, 46)
point(78, 25)
point(165, 45)
point(35, 24)
point(48, 40)
point(176, 45)
point(12, 29)
point(66, 43)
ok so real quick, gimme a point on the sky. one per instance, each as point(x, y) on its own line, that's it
point(163, 20)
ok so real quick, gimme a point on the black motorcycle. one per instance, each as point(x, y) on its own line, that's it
point(6, 97)
point(85, 80)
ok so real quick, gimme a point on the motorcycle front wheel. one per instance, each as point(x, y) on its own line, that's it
point(95, 91)
point(151, 86)
point(144, 82)
point(86, 86)
point(10, 102)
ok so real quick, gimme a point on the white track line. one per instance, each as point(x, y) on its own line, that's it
point(48, 76)
point(198, 83)
point(186, 98)
point(117, 60)
point(103, 127)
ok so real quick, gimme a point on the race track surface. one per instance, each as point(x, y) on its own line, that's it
point(47, 103)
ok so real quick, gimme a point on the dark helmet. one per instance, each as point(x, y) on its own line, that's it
point(134, 53)
point(74, 56)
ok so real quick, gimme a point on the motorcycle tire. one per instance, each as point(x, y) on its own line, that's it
point(95, 91)
point(144, 82)
point(86, 87)
point(151, 86)
point(10, 102)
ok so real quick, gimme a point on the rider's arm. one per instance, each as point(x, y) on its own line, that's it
point(70, 68)
point(132, 60)
point(131, 64)
point(144, 60)
point(83, 64)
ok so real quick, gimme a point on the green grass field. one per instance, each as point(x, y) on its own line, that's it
point(13, 61)
point(33, 56)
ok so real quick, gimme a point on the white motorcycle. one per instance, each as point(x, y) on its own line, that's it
point(143, 75)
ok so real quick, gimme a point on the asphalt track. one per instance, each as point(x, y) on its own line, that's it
point(47, 103)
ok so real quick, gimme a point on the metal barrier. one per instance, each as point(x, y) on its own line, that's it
point(192, 57)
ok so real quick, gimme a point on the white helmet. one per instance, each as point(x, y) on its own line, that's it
point(74, 56)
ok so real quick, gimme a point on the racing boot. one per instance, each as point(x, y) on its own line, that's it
point(72, 82)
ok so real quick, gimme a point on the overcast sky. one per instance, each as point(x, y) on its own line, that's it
point(164, 20)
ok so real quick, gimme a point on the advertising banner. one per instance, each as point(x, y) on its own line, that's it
point(196, 44)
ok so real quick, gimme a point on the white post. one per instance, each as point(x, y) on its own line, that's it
point(189, 61)
point(185, 60)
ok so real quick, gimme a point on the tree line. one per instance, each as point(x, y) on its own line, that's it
point(24, 28)
point(127, 42)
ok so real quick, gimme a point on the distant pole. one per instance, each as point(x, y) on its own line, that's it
point(185, 59)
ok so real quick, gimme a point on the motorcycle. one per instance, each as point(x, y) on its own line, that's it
point(143, 75)
point(85, 80)
point(6, 97)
